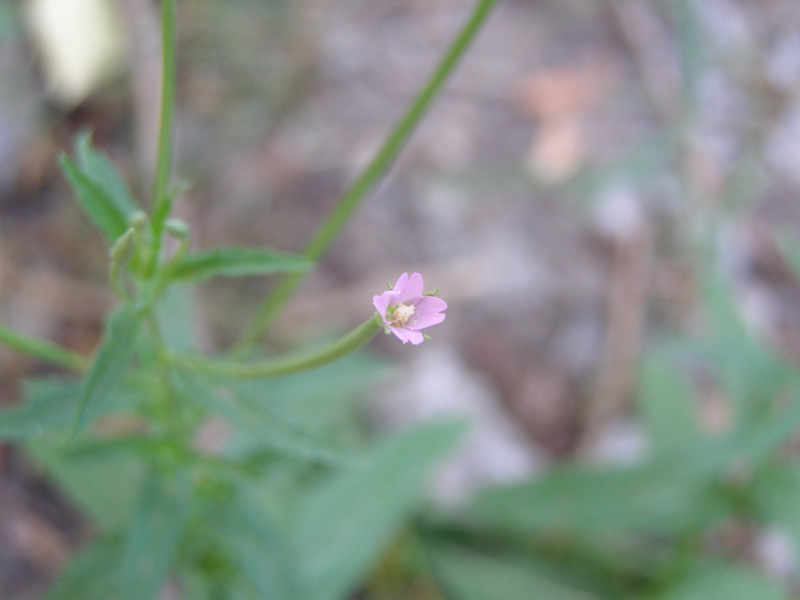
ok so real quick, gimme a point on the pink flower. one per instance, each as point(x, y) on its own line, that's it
point(405, 309)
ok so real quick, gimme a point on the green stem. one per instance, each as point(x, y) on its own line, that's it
point(285, 366)
point(44, 350)
point(161, 193)
point(353, 196)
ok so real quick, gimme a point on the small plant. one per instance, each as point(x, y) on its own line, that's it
point(289, 506)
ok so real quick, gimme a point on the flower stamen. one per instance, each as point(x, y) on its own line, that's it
point(400, 314)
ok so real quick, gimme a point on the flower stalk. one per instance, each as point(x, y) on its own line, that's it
point(292, 364)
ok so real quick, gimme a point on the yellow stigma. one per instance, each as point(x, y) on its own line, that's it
point(402, 313)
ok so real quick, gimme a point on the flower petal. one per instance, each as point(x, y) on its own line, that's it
point(381, 303)
point(400, 286)
point(413, 290)
point(402, 334)
point(415, 337)
point(429, 305)
point(423, 321)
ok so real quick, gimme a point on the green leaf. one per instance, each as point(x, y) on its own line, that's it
point(728, 581)
point(349, 519)
point(322, 404)
point(652, 498)
point(111, 364)
point(90, 575)
point(471, 575)
point(266, 425)
point(48, 407)
point(237, 262)
point(43, 349)
point(260, 549)
point(100, 189)
point(153, 536)
point(776, 496)
point(669, 409)
point(751, 374)
point(175, 313)
point(99, 168)
point(105, 486)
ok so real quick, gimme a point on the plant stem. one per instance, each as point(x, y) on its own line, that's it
point(353, 196)
point(44, 350)
point(285, 366)
point(161, 193)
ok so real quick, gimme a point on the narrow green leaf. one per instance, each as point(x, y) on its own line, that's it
point(729, 581)
point(752, 374)
point(260, 550)
point(662, 500)
point(469, 575)
point(236, 261)
point(106, 487)
point(153, 536)
point(90, 575)
point(265, 425)
point(100, 189)
point(111, 363)
point(48, 407)
point(43, 349)
point(323, 403)
point(669, 409)
point(175, 313)
point(100, 169)
point(776, 496)
point(346, 522)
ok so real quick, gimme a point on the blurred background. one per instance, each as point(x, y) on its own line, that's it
point(587, 168)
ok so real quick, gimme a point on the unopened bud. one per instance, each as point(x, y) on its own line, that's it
point(139, 220)
point(122, 250)
point(177, 228)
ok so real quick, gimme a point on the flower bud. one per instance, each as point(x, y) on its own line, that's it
point(122, 250)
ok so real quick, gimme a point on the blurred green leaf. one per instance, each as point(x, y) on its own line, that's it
point(260, 549)
point(260, 420)
point(350, 517)
point(48, 407)
point(750, 373)
point(728, 581)
point(105, 486)
point(90, 575)
point(320, 403)
point(99, 168)
point(751, 443)
point(471, 575)
point(153, 535)
point(100, 189)
point(653, 498)
point(110, 365)
point(668, 407)
point(237, 262)
point(9, 27)
point(175, 313)
point(776, 497)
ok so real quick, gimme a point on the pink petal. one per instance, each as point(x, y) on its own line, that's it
point(381, 303)
point(429, 305)
point(413, 289)
point(402, 334)
point(423, 321)
point(415, 337)
point(400, 286)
